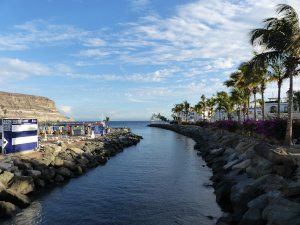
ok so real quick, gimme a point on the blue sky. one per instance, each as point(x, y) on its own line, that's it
point(126, 59)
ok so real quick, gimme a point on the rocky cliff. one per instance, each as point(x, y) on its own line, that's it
point(29, 106)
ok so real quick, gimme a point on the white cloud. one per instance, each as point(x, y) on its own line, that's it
point(66, 109)
point(157, 76)
point(94, 42)
point(138, 5)
point(16, 69)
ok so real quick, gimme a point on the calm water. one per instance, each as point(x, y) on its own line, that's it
point(161, 180)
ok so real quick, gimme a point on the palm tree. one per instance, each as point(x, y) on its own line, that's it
point(211, 102)
point(277, 74)
point(238, 96)
point(240, 81)
point(178, 109)
point(203, 104)
point(198, 108)
point(221, 100)
point(280, 37)
point(186, 108)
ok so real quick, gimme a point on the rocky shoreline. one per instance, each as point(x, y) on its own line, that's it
point(255, 182)
point(23, 174)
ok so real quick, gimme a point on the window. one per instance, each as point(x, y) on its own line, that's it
point(285, 109)
point(273, 109)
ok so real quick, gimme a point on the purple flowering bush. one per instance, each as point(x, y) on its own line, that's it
point(271, 129)
point(203, 123)
point(230, 125)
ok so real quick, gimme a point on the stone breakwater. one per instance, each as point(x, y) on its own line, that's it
point(254, 182)
point(23, 174)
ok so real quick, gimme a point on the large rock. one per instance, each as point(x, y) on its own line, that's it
point(24, 166)
point(5, 166)
point(252, 216)
point(22, 184)
point(281, 211)
point(65, 172)
point(5, 177)
point(68, 164)
point(243, 147)
point(8, 210)
point(47, 174)
point(281, 156)
point(242, 165)
point(283, 170)
point(35, 174)
point(77, 150)
point(263, 149)
point(58, 161)
point(59, 178)
point(15, 198)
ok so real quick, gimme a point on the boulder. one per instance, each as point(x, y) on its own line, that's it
point(292, 189)
point(82, 160)
point(58, 161)
point(22, 184)
point(283, 170)
point(15, 198)
point(39, 183)
point(76, 150)
point(35, 174)
point(242, 193)
point(5, 166)
point(8, 210)
point(229, 165)
point(242, 165)
point(2, 186)
point(232, 157)
point(65, 172)
point(59, 178)
point(48, 149)
point(47, 173)
point(243, 146)
point(252, 216)
point(264, 167)
point(24, 166)
point(77, 169)
point(280, 156)
point(68, 164)
point(5, 177)
point(281, 211)
point(262, 149)
point(101, 159)
point(13, 169)
point(57, 149)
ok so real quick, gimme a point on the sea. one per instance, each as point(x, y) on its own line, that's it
point(161, 180)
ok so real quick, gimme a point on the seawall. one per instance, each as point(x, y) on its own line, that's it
point(21, 175)
point(254, 182)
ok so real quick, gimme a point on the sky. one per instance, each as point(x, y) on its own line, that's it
point(126, 59)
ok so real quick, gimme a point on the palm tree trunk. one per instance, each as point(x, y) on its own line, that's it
point(239, 113)
point(288, 133)
point(255, 106)
point(278, 105)
point(263, 104)
point(248, 107)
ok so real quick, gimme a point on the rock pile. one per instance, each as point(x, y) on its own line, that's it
point(254, 182)
point(54, 164)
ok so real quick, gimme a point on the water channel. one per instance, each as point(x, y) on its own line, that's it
point(161, 180)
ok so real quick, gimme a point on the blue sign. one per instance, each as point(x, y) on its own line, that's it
point(19, 135)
